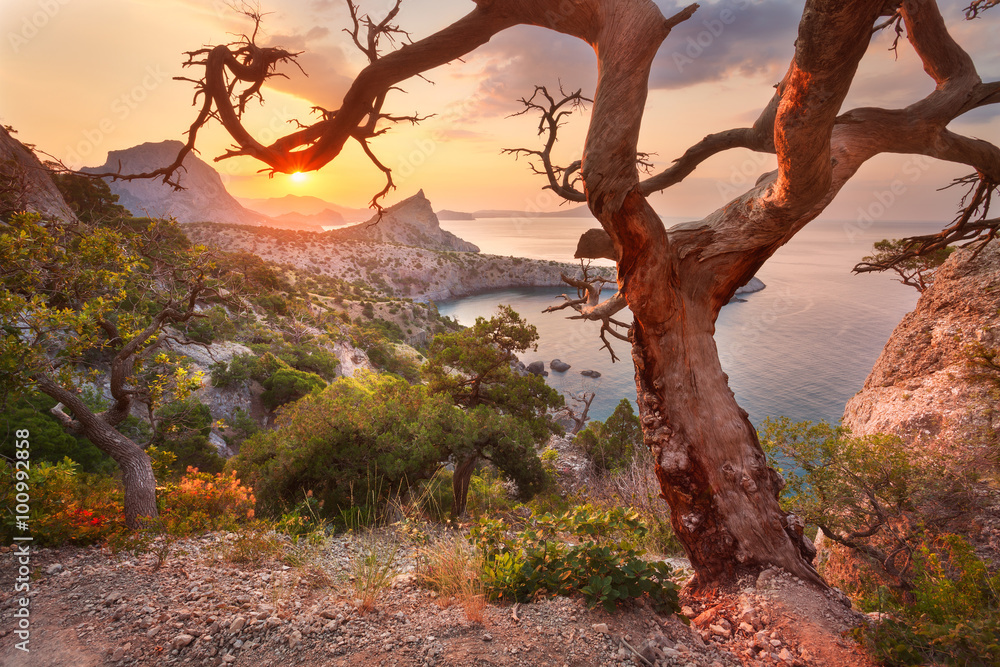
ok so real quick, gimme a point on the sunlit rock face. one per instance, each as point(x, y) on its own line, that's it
point(41, 194)
point(203, 199)
point(924, 387)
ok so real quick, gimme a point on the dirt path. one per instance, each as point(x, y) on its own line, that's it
point(199, 609)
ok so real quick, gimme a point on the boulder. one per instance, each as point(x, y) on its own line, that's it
point(590, 374)
point(536, 368)
point(559, 366)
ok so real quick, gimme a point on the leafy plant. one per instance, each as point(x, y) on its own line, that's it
point(574, 552)
point(612, 444)
point(952, 616)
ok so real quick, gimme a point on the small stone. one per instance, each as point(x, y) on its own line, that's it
point(600, 627)
point(688, 611)
point(113, 597)
point(55, 568)
point(118, 654)
point(786, 655)
point(775, 643)
point(487, 637)
point(152, 631)
point(237, 624)
point(229, 657)
point(182, 640)
point(719, 631)
point(294, 639)
point(746, 627)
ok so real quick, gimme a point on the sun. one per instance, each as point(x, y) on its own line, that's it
point(299, 177)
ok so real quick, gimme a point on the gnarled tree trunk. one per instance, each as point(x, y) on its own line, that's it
point(138, 481)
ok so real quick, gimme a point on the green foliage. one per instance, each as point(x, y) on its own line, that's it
point(574, 552)
point(237, 429)
point(917, 272)
point(183, 428)
point(50, 442)
point(90, 198)
point(473, 367)
point(342, 443)
point(953, 616)
point(288, 385)
point(612, 444)
point(244, 367)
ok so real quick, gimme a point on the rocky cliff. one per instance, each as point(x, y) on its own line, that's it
point(204, 197)
point(411, 222)
point(17, 162)
point(923, 387)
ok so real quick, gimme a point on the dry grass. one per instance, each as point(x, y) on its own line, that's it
point(451, 567)
point(373, 568)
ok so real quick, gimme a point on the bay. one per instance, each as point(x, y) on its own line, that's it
point(800, 348)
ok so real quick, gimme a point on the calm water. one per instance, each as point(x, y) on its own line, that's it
point(800, 348)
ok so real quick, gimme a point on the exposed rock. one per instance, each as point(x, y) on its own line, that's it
point(536, 368)
point(204, 197)
point(590, 374)
point(411, 222)
point(559, 366)
point(41, 194)
point(923, 387)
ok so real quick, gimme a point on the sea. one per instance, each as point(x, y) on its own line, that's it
point(800, 348)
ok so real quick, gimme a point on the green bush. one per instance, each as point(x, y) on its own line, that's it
point(582, 551)
point(288, 385)
point(611, 445)
point(243, 367)
point(183, 428)
point(50, 442)
point(359, 435)
point(952, 616)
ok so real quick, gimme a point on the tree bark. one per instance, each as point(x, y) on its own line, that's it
point(138, 480)
point(460, 485)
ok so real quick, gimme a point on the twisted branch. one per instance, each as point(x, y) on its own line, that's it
point(589, 306)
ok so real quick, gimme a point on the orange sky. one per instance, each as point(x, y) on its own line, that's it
point(81, 78)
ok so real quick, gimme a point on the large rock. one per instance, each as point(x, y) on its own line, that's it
point(41, 194)
point(923, 386)
point(203, 199)
point(559, 366)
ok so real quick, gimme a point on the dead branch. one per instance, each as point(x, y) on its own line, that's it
point(589, 306)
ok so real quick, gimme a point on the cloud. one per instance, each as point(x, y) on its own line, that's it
point(328, 73)
point(747, 38)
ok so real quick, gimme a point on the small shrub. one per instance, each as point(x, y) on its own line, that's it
point(541, 558)
point(612, 444)
point(67, 506)
point(952, 617)
point(288, 385)
point(204, 501)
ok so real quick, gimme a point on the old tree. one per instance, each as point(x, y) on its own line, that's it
point(722, 495)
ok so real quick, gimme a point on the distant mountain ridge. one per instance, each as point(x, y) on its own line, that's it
point(576, 212)
point(203, 199)
point(306, 206)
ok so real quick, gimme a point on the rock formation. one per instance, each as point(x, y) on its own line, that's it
point(41, 195)
point(203, 199)
point(924, 387)
point(411, 222)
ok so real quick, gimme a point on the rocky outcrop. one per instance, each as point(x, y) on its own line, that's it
point(411, 222)
point(19, 164)
point(203, 199)
point(923, 386)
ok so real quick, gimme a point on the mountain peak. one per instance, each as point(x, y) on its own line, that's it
point(204, 197)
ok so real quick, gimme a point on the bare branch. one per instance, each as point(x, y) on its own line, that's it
point(589, 306)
